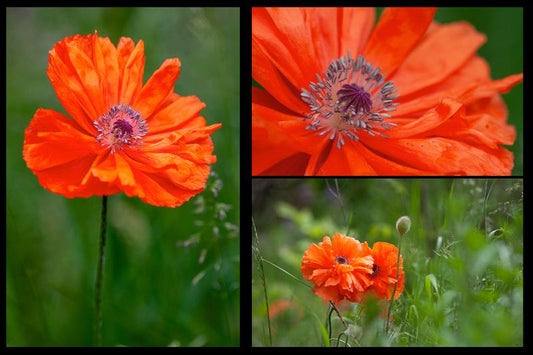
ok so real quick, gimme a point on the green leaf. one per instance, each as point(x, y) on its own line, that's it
point(431, 280)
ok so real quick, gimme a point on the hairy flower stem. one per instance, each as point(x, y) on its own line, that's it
point(338, 314)
point(395, 285)
point(100, 276)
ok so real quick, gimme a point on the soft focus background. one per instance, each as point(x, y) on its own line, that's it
point(171, 274)
point(463, 260)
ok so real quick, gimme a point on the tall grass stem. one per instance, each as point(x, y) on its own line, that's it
point(259, 260)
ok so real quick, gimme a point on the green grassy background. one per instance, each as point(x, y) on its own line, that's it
point(157, 292)
point(463, 260)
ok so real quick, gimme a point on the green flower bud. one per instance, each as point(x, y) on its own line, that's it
point(403, 224)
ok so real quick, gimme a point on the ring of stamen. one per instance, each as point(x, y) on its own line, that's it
point(120, 127)
point(351, 97)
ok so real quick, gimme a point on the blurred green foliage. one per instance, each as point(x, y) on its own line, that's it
point(463, 260)
point(171, 274)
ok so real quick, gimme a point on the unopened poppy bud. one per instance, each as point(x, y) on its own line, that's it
point(403, 224)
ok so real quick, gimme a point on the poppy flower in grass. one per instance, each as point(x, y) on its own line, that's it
point(385, 256)
point(340, 268)
point(339, 96)
point(121, 135)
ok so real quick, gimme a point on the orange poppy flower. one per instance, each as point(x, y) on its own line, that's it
point(385, 257)
point(144, 140)
point(340, 268)
point(414, 99)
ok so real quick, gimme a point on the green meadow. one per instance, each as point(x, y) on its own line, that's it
point(463, 261)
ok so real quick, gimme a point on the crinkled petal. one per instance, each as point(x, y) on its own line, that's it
point(180, 112)
point(62, 156)
point(69, 88)
point(444, 156)
point(449, 47)
point(332, 161)
point(277, 135)
point(106, 64)
point(330, 293)
point(384, 166)
point(335, 31)
point(131, 68)
point(47, 136)
point(158, 88)
point(396, 34)
point(284, 38)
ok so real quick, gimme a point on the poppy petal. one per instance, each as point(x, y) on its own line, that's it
point(84, 67)
point(270, 78)
point(273, 142)
point(270, 144)
point(67, 180)
point(182, 111)
point(161, 190)
point(431, 119)
point(131, 67)
point(386, 167)
point(47, 136)
point(345, 161)
point(105, 168)
point(159, 86)
point(449, 47)
point(395, 35)
point(444, 156)
point(355, 26)
point(106, 64)
point(293, 165)
point(66, 82)
point(335, 31)
point(475, 72)
point(284, 38)
point(328, 293)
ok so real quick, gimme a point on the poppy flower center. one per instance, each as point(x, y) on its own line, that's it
point(120, 126)
point(341, 260)
point(351, 97)
point(375, 270)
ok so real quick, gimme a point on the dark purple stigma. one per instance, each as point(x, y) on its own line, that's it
point(341, 260)
point(375, 270)
point(354, 96)
point(122, 128)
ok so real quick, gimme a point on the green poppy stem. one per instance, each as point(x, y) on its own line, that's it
point(100, 276)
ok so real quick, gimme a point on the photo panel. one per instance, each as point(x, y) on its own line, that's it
point(398, 91)
point(122, 177)
point(349, 262)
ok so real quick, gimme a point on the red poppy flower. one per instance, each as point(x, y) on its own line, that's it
point(340, 268)
point(342, 97)
point(144, 140)
point(385, 257)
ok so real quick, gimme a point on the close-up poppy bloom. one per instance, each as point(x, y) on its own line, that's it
point(385, 257)
point(340, 268)
point(121, 135)
point(340, 95)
